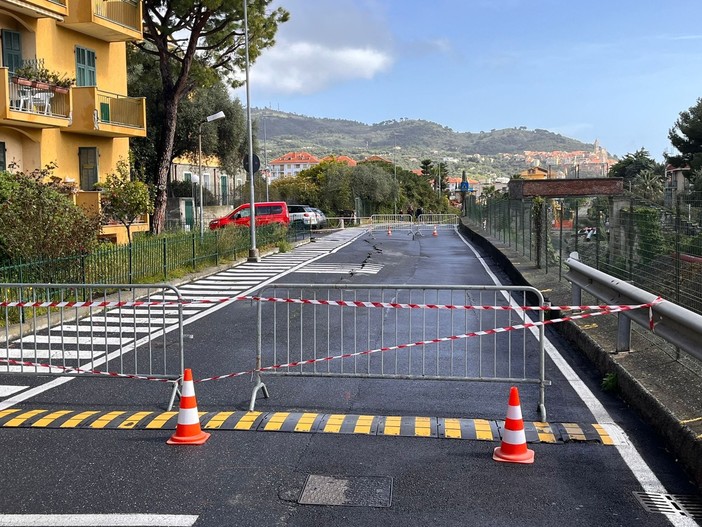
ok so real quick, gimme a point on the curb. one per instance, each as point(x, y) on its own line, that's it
point(678, 438)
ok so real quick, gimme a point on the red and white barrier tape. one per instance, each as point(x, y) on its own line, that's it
point(342, 303)
point(437, 340)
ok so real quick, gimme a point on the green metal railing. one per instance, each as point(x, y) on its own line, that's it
point(150, 260)
point(655, 248)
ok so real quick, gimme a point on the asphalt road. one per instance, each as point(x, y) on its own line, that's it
point(260, 477)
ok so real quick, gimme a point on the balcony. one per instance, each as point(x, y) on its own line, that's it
point(32, 105)
point(108, 20)
point(96, 112)
point(39, 8)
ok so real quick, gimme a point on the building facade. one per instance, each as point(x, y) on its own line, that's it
point(63, 92)
point(291, 164)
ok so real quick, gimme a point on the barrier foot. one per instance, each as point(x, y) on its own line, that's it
point(259, 386)
point(174, 392)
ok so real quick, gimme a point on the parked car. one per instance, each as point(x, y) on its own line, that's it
point(266, 212)
point(321, 218)
point(302, 214)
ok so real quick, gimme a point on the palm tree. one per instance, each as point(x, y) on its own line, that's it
point(648, 185)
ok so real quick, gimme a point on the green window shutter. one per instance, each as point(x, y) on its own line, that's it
point(85, 67)
point(105, 112)
point(11, 49)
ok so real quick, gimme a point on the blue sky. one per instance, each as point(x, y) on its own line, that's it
point(619, 71)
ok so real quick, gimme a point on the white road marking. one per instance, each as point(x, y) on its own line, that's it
point(6, 389)
point(97, 520)
point(341, 268)
point(642, 472)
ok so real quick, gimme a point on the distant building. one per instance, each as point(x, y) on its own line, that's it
point(291, 164)
point(534, 173)
point(341, 159)
point(222, 185)
point(675, 183)
point(376, 158)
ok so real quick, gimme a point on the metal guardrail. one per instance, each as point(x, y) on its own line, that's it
point(67, 330)
point(306, 324)
point(410, 225)
point(675, 324)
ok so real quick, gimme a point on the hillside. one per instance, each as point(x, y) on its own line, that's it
point(416, 139)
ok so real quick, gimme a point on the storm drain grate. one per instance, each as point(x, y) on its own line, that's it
point(689, 506)
point(375, 491)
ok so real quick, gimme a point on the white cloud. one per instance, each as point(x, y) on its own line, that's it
point(323, 44)
point(307, 67)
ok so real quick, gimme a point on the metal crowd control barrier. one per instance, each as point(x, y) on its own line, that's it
point(429, 222)
point(400, 332)
point(391, 223)
point(72, 329)
point(406, 224)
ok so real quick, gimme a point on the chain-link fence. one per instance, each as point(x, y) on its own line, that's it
point(655, 248)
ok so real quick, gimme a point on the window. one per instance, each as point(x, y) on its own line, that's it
point(85, 67)
point(3, 156)
point(88, 165)
point(187, 177)
point(11, 49)
point(206, 181)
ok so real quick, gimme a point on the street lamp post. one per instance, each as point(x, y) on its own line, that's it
point(394, 163)
point(208, 119)
point(253, 250)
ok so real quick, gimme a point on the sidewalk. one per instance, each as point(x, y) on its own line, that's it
point(665, 387)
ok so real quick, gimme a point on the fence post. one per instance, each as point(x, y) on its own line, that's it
point(216, 233)
point(129, 254)
point(547, 231)
point(631, 240)
point(193, 259)
point(165, 260)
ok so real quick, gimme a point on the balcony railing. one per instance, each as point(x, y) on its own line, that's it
point(120, 110)
point(39, 99)
point(123, 12)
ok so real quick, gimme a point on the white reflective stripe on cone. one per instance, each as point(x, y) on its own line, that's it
point(188, 416)
point(514, 412)
point(514, 437)
point(188, 389)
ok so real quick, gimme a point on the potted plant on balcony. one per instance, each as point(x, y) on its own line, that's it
point(24, 76)
point(60, 83)
point(42, 78)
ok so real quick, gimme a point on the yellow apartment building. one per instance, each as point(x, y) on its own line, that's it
point(84, 129)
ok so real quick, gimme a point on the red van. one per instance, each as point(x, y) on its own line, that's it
point(266, 212)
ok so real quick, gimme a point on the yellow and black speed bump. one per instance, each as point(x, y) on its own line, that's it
point(306, 422)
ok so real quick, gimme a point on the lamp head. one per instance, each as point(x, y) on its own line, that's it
point(215, 116)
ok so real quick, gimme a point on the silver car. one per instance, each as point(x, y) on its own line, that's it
point(302, 214)
point(321, 218)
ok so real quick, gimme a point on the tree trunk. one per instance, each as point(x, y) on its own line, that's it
point(158, 220)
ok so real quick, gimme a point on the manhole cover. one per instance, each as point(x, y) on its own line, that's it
point(689, 506)
point(375, 491)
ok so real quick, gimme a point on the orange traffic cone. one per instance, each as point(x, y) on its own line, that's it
point(389, 231)
point(188, 430)
point(514, 448)
point(435, 233)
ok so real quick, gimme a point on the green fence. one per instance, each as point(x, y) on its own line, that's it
point(656, 248)
point(150, 259)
